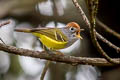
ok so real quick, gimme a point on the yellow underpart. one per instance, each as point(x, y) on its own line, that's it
point(49, 42)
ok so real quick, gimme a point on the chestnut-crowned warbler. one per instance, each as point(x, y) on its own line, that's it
point(56, 38)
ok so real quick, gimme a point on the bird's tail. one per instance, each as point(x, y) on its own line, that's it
point(23, 30)
point(27, 30)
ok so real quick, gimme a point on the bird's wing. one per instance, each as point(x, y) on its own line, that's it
point(54, 33)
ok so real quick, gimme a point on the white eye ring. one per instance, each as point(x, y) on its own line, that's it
point(72, 29)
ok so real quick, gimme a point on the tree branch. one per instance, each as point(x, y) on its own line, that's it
point(93, 12)
point(93, 31)
point(55, 57)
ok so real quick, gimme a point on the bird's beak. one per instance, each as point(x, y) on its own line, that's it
point(78, 36)
point(81, 30)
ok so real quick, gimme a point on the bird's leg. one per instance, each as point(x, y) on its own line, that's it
point(43, 47)
point(47, 49)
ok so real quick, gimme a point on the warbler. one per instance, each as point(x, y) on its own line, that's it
point(56, 38)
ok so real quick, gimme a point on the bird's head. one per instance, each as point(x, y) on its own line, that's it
point(74, 28)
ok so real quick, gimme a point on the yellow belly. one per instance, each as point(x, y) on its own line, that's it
point(51, 43)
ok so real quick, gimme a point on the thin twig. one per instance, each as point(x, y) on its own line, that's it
point(55, 57)
point(81, 12)
point(108, 43)
point(2, 24)
point(45, 70)
point(93, 35)
point(107, 29)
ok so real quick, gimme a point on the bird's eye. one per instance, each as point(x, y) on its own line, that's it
point(72, 29)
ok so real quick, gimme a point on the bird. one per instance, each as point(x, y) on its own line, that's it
point(56, 38)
